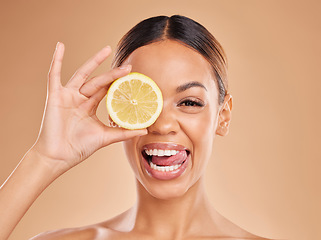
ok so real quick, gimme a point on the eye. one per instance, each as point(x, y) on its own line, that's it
point(191, 103)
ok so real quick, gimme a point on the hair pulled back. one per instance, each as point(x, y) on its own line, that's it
point(181, 29)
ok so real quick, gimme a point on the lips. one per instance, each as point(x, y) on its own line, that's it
point(165, 161)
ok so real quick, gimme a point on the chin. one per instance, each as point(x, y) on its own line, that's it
point(165, 190)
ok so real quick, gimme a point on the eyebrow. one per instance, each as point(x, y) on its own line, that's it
point(189, 85)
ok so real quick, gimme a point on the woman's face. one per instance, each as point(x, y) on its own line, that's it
point(184, 132)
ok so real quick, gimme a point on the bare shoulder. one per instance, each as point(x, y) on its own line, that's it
point(104, 230)
point(236, 238)
point(254, 237)
point(233, 231)
point(245, 235)
point(83, 233)
point(249, 236)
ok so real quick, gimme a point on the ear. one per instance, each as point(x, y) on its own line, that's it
point(224, 117)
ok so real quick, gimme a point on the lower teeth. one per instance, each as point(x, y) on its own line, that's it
point(164, 168)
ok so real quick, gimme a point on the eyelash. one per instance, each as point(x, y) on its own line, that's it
point(191, 103)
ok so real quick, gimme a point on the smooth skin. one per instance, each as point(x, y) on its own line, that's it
point(170, 209)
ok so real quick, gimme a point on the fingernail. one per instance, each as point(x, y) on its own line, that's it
point(125, 67)
point(107, 47)
point(57, 45)
point(143, 133)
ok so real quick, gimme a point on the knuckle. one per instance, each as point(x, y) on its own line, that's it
point(97, 61)
point(96, 86)
point(116, 73)
point(82, 74)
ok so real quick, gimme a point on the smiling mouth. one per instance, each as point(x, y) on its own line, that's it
point(165, 161)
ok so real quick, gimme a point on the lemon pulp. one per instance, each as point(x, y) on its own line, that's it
point(134, 101)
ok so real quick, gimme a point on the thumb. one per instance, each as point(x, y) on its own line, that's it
point(113, 135)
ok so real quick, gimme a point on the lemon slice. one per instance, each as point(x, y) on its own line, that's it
point(134, 101)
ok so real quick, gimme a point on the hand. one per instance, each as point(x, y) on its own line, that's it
point(70, 130)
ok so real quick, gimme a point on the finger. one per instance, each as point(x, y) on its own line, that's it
point(54, 73)
point(87, 68)
point(113, 135)
point(90, 87)
point(92, 103)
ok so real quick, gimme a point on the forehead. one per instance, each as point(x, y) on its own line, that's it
point(170, 63)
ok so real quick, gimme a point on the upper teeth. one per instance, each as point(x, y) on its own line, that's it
point(160, 152)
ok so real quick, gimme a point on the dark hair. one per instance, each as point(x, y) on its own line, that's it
point(183, 30)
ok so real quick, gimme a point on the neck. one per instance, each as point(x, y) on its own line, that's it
point(175, 217)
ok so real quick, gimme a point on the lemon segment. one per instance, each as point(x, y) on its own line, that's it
point(134, 101)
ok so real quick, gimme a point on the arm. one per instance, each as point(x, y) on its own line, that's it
point(70, 132)
point(21, 189)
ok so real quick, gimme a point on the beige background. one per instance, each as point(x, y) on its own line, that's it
point(265, 176)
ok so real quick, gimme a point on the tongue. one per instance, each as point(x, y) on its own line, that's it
point(172, 160)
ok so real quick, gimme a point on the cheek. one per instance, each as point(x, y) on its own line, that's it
point(199, 127)
point(200, 130)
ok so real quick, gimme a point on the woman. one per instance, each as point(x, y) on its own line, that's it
point(189, 66)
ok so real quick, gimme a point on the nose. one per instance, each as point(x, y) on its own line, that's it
point(165, 124)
